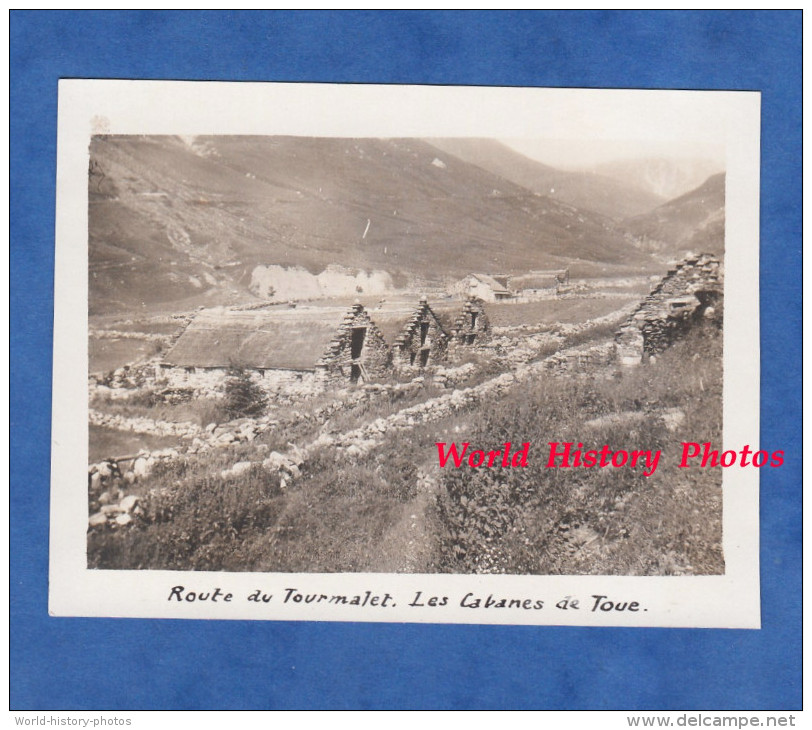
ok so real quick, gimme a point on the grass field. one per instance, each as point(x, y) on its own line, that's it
point(393, 509)
point(105, 355)
point(549, 311)
point(106, 443)
point(596, 521)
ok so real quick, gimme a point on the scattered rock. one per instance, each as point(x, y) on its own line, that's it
point(673, 418)
point(128, 503)
point(124, 519)
point(140, 468)
point(98, 519)
point(241, 467)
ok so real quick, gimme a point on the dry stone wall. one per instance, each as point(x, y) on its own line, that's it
point(208, 382)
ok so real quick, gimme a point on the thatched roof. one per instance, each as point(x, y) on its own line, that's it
point(289, 339)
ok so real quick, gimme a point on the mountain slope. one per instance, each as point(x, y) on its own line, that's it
point(692, 222)
point(668, 178)
point(584, 190)
point(173, 218)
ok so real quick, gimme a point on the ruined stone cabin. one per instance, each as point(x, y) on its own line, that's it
point(415, 334)
point(278, 344)
point(692, 289)
point(468, 326)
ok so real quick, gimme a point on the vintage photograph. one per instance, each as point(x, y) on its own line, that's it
point(352, 355)
point(406, 359)
point(374, 360)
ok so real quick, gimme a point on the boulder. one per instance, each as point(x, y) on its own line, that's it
point(128, 503)
point(124, 519)
point(98, 519)
point(673, 418)
point(241, 467)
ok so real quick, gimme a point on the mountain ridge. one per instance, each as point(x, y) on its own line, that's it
point(585, 190)
point(172, 218)
point(694, 221)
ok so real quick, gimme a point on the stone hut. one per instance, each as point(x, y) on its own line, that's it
point(416, 336)
point(482, 286)
point(277, 345)
point(468, 327)
point(692, 289)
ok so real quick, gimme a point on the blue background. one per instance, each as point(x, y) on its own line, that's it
point(59, 663)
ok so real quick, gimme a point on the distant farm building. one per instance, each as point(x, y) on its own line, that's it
point(416, 336)
point(278, 344)
point(539, 282)
point(482, 286)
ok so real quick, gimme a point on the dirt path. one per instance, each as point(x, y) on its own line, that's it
point(408, 547)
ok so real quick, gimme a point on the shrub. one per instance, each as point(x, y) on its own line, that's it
point(243, 397)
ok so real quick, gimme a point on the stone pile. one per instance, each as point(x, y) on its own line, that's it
point(613, 317)
point(128, 376)
point(109, 472)
point(585, 359)
point(514, 353)
point(182, 429)
point(118, 509)
point(451, 376)
point(118, 335)
point(112, 513)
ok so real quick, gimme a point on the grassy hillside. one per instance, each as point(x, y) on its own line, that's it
point(173, 218)
point(692, 222)
point(584, 190)
point(392, 509)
